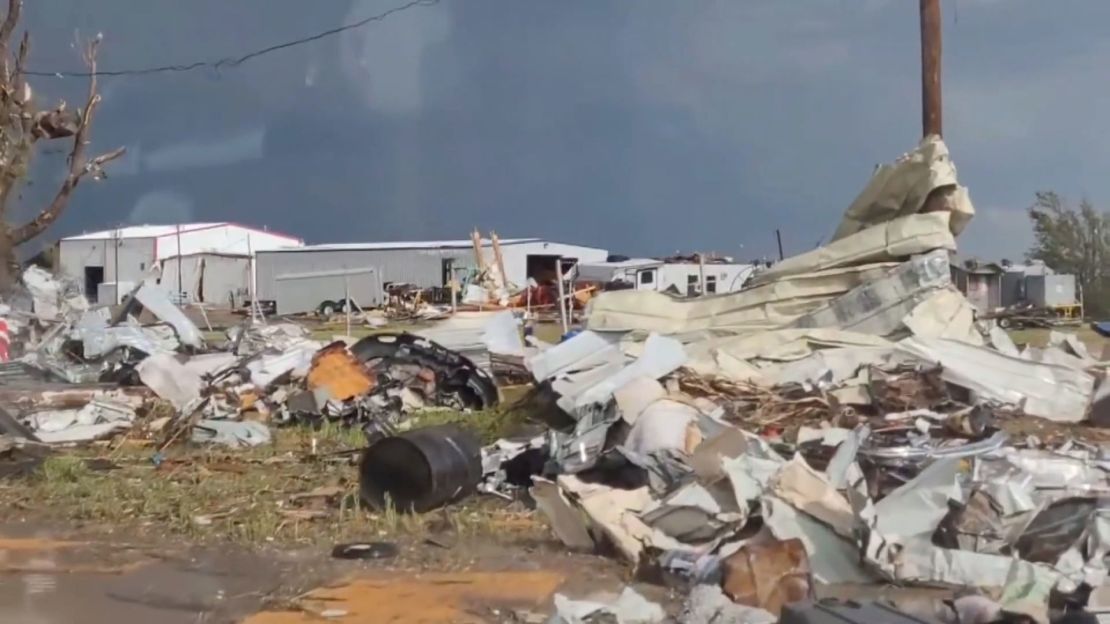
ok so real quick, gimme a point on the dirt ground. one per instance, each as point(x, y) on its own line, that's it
point(114, 534)
point(58, 576)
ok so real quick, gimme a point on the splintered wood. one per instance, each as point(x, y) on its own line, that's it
point(755, 406)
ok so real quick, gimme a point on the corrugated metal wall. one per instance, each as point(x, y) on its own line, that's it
point(422, 267)
point(417, 266)
point(226, 278)
point(135, 256)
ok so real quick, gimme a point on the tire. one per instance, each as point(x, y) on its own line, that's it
point(1005, 323)
point(327, 309)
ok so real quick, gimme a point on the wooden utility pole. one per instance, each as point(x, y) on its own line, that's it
point(931, 117)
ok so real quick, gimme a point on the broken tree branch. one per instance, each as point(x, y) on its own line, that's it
point(15, 7)
point(79, 166)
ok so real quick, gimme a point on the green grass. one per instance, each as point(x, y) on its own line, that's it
point(1038, 337)
point(241, 496)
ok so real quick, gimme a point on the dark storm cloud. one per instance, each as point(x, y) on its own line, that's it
point(644, 125)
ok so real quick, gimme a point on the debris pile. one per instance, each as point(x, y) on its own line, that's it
point(840, 421)
point(844, 420)
point(228, 393)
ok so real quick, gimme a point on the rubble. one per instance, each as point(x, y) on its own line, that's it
point(843, 420)
point(877, 395)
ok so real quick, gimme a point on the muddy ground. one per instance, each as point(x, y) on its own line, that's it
point(60, 576)
point(107, 534)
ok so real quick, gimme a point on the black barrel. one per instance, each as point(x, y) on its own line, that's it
point(420, 470)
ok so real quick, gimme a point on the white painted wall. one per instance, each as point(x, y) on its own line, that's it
point(138, 249)
point(728, 277)
point(135, 258)
point(226, 279)
point(516, 256)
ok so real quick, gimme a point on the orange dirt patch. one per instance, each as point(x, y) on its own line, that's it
point(461, 598)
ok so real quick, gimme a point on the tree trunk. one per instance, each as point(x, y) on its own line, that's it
point(9, 267)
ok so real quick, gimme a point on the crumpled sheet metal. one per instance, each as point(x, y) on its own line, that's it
point(879, 307)
point(1025, 586)
point(1053, 392)
point(95, 420)
point(157, 301)
point(834, 559)
point(721, 356)
point(295, 360)
point(255, 338)
point(1052, 470)
point(231, 433)
point(915, 509)
point(661, 356)
point(910, 454)
point(99, 339)
point(627, 608)
point(900, 544)
point(53, 299)
point(665, 424)
point(829, 368)
point(946, 313)
point(811, 493)
point(885, 242)
point(584, 351)
point(692, 515)
point(903, 188)
point(567, 522)
point(477, 335)
point(616, 514)
point(764, 307)
point(170, 379)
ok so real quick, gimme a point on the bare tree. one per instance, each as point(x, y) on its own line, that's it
point(1074, 240)
point(23, 126)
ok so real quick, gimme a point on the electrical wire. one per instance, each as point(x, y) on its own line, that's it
point(229, 62)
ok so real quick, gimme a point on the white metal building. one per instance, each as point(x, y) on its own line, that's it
point(213, 259)
point(301, 279)
point(682, 278)
point(720, 277)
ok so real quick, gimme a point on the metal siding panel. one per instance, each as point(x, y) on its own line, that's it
point(74, 256)
point(1035, 289)
point(226, 279)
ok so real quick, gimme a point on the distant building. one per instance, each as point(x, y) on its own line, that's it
point(304, 279)
point(214, 260)
point(676, 276)
point(980, 282)
point(1038, 285)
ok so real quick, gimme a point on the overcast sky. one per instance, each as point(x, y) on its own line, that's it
point(644, 126)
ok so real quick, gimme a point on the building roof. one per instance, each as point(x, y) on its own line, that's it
point(143, 231)
point(1036, 267)
point(194, 238)
point(969, 264)
point(631, 263)
point(393, 245)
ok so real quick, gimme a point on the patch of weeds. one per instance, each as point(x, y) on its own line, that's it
point(489, 425)
point(63, 469)
point(244, 496)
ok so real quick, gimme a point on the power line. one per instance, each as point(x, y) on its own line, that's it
point(229, 62)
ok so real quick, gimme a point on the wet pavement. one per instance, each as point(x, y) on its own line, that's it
point(47, 580)
point(44, 581)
